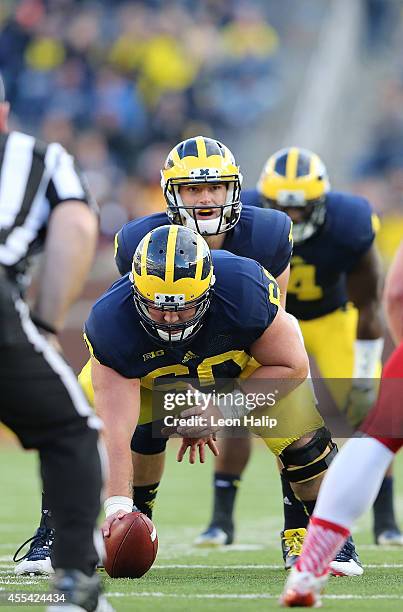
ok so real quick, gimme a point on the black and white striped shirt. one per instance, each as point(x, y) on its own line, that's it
point(34, 178)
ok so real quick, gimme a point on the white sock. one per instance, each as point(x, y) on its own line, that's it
point(352, 481)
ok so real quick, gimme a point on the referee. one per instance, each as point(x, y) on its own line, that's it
point(44, 204)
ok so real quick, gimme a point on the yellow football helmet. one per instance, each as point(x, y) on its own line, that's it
point(296, 178)
point(202, 160)
point(172, 271)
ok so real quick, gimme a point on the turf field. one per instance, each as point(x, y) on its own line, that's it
point(246, 576)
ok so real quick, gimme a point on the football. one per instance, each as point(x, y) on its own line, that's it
point(131, 547)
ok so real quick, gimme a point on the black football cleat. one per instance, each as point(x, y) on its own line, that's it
point(37, 559)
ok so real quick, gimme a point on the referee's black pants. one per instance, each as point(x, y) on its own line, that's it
point(41, 401)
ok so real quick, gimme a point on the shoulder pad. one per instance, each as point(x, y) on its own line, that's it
point(129, 237)
point(351, 221)
point(112, 331)
point(251, 197)
point(270, 237)
point(250, 294)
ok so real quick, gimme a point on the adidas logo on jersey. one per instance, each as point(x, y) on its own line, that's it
point(189, 355)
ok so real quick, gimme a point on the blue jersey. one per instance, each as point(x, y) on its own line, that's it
point(320, 265)
point(243, 305)
point(261, 234)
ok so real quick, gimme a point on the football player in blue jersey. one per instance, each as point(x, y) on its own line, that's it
point(335, 293)
point(165, 320)
point(201, 184)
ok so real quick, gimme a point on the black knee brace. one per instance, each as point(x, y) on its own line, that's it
point(314, 458)
point(145, 443)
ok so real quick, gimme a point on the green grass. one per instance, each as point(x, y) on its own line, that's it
point(247, 576)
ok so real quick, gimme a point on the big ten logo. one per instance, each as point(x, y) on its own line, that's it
point(153, 354)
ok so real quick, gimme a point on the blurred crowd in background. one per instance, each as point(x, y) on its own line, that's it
point(119, 82)
point(378, 173)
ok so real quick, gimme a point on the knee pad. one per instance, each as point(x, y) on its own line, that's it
point(145, 443)
point(311, 460)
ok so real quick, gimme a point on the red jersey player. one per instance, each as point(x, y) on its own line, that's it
point(369, 454)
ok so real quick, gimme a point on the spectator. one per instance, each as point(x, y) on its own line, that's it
point(137, 73)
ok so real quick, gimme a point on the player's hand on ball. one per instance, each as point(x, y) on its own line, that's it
point(197, 446)
point(106, 525)
point(131, 547)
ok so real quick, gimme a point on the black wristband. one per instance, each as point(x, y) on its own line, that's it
point(43, 325)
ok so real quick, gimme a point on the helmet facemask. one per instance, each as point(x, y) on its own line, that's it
point(202, 161)
point(314, 213)
point(182, 214)
point(175, 334)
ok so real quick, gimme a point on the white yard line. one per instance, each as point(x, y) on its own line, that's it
point(389, 549)
point(382, 565)
point(169, 549)
point(15, 583)
point(240, 595)
point(7, 569)
point(224, 567)
point(260, 566)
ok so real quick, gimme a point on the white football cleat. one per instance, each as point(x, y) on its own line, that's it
point(390, 537)
point(347, 562)
point(37, 567)
point(303, 589)
point(212, 537)
point(37, 559)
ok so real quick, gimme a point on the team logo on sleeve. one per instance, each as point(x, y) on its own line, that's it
point(290, 238)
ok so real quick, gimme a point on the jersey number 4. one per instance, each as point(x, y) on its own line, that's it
point(302, 281)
